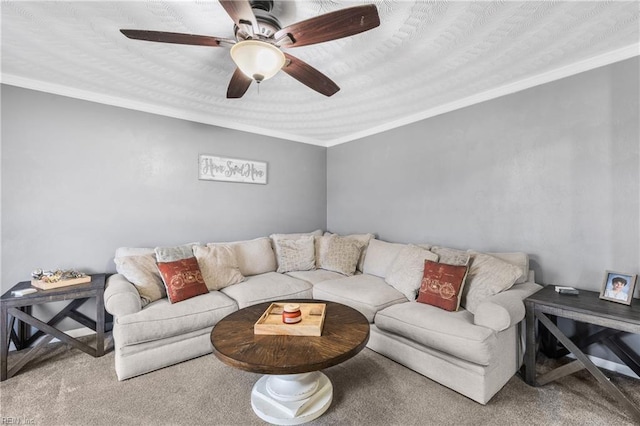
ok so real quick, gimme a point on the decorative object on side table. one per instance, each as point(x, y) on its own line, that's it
point(47, 280)
point(618, 287)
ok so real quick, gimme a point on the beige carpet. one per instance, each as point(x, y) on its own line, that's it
point(67, 387)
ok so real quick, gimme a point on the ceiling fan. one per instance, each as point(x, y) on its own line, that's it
point(259, 39)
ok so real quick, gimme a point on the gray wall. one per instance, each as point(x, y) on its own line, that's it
point(80, 179)
point(553, 171)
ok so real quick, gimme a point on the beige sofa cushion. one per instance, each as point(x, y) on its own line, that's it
point(406, 272)
point(315, 276)
point(268, 287)
point(365, 293)
point(380, 257)
point(161, 319)
point(487, 276)
point(450, 332)
point(218, 266)
point(254, 256)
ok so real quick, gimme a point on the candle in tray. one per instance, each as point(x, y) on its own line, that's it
point(291, 313)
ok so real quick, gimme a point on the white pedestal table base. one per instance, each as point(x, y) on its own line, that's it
point(291, 399)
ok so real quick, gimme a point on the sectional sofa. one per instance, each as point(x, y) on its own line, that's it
point(473, 350)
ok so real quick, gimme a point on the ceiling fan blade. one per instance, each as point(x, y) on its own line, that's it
point(309, 76)
point(238, 85)
point(177, 38)
point(241, 13)
point(331, 26)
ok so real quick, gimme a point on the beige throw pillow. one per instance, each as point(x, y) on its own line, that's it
point(339, 254)
point(363, 238)
point(142, 272)
point(171, 254)
point(519, 259)
point(276, 238)
point(295, 255)
point(487, 276)
point(218, 265)
point(407, 270)
point(451, 256)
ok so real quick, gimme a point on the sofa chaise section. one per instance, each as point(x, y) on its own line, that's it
point(162, 333)
point(475, 355)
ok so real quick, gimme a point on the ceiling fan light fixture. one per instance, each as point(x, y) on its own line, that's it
point(258, 60)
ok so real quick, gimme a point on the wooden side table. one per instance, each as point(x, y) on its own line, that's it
point(588, 308)
point(19, 307)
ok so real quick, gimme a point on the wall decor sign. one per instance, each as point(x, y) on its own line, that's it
point(211, 167)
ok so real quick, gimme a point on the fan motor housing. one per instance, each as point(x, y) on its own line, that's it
point(267, 22)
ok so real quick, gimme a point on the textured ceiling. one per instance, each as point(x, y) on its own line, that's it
point(425, 58)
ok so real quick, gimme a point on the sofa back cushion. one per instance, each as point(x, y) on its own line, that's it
point(254, 257)
point(380, 257)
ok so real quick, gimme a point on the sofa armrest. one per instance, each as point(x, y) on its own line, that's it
point(121, 297)
point(501, 311)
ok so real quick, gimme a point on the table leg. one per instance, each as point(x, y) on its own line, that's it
point(530, 350)
point(4, 341)
point(100, 323)
point(292, 399)
point(591, 367)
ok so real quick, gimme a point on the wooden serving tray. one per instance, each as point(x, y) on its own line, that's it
point(311, 324)
point(43, 285)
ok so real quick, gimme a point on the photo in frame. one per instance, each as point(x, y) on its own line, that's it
point(618, 287)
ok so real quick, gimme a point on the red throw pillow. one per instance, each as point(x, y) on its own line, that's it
point(442, 285)
point(183, 279)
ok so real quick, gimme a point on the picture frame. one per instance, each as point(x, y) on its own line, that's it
point(618, 287)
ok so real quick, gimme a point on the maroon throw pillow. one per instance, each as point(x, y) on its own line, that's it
point(183, 279)
point(442, 284)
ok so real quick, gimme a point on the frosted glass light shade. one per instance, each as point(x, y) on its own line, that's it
point(257, 60)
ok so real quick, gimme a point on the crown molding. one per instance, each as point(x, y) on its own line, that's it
point(101, 98)
point(547, 77)
point(527, 83)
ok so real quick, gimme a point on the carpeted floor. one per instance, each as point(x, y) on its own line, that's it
point(67, 387)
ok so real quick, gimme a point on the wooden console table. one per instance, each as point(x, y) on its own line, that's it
point(588, 308)
point(19, 307)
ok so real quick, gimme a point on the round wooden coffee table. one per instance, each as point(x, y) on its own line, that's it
point(293, 390)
